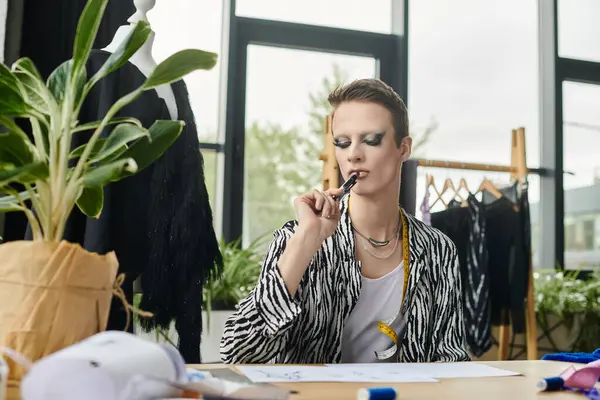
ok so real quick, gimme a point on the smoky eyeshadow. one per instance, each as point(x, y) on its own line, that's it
point(372, 139)
point(342, 144)
point(375, 139)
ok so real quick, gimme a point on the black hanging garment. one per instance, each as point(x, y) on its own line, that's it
point(159, 221)
point(525, 214)
point(466, 227)
point(509, 248)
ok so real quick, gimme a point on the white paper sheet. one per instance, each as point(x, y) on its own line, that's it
point(434, 370)
point(323, 374)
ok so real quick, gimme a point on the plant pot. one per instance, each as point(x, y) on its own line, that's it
point(52, 295)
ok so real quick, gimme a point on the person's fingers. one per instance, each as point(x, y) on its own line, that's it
point(335, 191)
point(331, 206)
point(319, 200)
point(306, 198)
point(327, 206)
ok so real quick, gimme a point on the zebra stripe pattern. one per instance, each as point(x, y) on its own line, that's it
point(271, 326)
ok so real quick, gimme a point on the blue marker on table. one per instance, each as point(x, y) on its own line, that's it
point(385, 393)
point(550, 384)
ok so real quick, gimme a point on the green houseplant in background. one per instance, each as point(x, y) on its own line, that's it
point(572, 302)
point(54, 293)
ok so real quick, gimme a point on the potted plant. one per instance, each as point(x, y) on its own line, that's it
point(54, 293)
point(568, 309)
point(241, 270)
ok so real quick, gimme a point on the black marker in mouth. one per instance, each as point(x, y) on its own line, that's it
point(350, 182)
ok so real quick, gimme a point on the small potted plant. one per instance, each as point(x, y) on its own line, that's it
point(54, 293)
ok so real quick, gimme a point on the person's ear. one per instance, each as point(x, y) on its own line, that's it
point(405, 148)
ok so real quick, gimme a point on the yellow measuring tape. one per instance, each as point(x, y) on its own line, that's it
point(382, 326)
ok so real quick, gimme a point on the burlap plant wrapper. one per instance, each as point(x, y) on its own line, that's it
point(52, 295)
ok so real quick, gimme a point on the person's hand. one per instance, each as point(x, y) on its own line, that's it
point(318, 213)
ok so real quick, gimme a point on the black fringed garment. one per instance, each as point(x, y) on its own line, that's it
point(159, 221)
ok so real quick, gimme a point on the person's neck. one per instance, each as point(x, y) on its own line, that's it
point(376, 217)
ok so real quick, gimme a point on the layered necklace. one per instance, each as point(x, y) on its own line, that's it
point(367, 240)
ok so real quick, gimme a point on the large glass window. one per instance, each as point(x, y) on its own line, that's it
point(286, 103)
point(371, 16)
point(182, 24)
point(581, 134)
point(578, 29)
point(581, 138)
point(473, 78)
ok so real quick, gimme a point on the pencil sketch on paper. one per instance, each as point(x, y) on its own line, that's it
point(323, 374)
point(269, 374)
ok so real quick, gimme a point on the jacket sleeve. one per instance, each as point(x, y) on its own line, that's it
point(257, 332)
point(450, 334)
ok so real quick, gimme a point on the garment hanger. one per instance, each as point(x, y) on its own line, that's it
point(462, 184)
point(448, 185)
point(457, 197)
point(489, 187)
point(431, 183)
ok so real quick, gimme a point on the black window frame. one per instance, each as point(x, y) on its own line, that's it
point(556, 70)
point(390, 51)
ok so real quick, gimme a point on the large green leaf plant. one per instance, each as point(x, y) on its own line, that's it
point(43, 167)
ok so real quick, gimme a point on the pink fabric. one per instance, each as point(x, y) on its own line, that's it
point(582, 378)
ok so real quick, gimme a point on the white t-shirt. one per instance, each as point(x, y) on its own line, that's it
point(379, 300)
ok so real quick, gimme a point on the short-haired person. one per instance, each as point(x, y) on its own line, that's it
point(350, 278)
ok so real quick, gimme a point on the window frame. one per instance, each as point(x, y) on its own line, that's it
point(554, 70)
point(391, 51)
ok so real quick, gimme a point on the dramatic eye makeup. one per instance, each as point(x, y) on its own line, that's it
point(372, 139)
point(341, 143)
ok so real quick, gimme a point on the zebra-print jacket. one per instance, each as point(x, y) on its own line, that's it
point(271, 326)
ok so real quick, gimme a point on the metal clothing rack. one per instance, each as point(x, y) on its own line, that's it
point(518, 170)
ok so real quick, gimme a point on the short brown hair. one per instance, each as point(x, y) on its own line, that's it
point(374, 91)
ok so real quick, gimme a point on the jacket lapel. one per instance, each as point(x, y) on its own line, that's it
point(417, 254)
